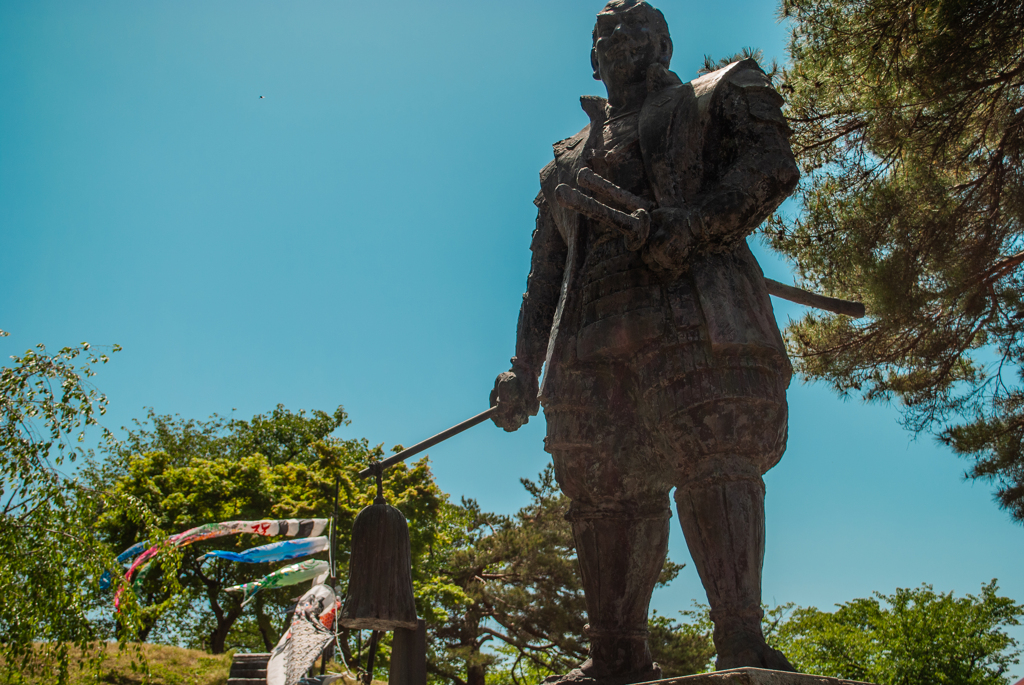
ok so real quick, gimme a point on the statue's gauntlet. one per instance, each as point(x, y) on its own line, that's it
point(674, 233)
point(516, 391)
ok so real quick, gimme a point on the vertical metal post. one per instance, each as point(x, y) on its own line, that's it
point(334, 535)
point(409, 656)
point(333, 555)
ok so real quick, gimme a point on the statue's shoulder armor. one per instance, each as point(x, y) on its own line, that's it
point(763, 101)
point(567, 152)
point(678, 119)
point(561, 170)
point(568, 155)
point(667, 94)
point(568, 145)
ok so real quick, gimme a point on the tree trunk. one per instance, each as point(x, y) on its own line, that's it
point(225, 619)
point(476, 666)
point(267, 632)
point(475, 674)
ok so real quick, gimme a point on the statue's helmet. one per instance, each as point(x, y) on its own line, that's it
point(645, 24)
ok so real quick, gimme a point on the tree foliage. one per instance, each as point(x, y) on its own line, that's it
point(50, 562)
point(510, 582)
point(683, 647)
point(911, 637)
point(281, 464)
point(908, 120)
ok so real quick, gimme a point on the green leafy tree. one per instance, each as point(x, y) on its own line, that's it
point(911, 637)
point(908, 121)
point(277, 465)
point(506, 581)
point(683, 647)
point(50, 562)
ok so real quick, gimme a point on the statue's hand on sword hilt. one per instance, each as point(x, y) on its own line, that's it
point(661, 232)
point(673, 238)
point(634, 226)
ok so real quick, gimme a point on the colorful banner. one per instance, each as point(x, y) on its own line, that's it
point(291, 527)
point(289, 575)
point(312, 629)
point(124, 556)
point(275, 551)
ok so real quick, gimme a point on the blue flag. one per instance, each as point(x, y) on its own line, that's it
point(276, 551)
point(127, 555)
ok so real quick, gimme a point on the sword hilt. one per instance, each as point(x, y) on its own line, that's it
point(591, 180)
point(634, 227)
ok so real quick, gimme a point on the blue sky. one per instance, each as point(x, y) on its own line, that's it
point(360, 236)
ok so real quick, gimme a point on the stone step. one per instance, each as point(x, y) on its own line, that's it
point(249, 669)
point(240, 672)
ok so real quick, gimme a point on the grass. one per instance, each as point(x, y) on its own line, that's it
point(166, 666)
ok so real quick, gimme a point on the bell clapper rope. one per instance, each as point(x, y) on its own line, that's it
point(371, 657)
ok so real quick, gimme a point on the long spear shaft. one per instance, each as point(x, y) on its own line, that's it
point(428, 443)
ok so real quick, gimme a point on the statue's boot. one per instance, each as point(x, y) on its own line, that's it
point(723, 521)
point(621, 555)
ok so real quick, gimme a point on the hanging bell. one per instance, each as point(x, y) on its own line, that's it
point(380, 570)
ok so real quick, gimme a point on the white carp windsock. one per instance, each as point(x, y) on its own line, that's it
point(312, 629)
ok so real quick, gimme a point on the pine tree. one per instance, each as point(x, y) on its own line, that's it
point(908, 120)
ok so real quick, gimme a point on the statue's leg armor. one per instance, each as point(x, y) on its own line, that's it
point(722, 423)
point(723, 521)
point(621, 556)
point(619, 516)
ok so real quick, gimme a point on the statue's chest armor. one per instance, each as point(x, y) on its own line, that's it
point(614, 153)
point(622, 302)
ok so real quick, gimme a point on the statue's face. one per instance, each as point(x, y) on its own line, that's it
point(626, 43)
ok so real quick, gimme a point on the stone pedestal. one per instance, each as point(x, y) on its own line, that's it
point(753, 676)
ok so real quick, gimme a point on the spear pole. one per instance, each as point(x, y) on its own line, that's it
point(379, 466)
